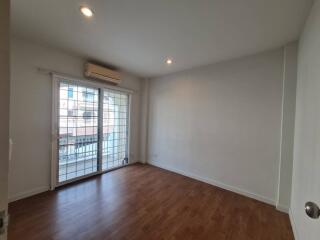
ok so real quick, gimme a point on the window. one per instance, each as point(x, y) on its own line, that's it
point(88, 95)
point(92, 130)
point(70, 92)
point(87, 116)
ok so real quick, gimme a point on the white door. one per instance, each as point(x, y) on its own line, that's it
point(306, 170)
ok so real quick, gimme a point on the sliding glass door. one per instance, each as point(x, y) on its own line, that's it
point(115, 129)
point(92, 130)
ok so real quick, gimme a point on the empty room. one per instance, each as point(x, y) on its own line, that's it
point(160, 120)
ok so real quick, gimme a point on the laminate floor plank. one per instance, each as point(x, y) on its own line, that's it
point(142, 202)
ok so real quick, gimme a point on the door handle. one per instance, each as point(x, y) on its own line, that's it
point(312, 210)
point(4, 221)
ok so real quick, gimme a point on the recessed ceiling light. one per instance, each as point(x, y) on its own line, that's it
point(86, 11)
point(169, 61)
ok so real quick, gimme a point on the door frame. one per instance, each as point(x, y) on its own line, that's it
point(56, 79)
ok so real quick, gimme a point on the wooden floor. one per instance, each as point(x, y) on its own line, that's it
point(145, 202)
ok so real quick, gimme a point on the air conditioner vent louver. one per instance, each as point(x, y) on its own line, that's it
point(102, 73)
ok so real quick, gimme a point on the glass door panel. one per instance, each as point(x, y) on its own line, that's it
point(78, 131)
point(115, 129)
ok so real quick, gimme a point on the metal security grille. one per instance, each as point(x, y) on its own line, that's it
point(78, 131)
point(115, 129)
point(92, 129)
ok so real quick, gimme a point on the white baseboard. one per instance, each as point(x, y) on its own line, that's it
point(293, 225)
point(28, 193)
point(282, 208)
point(216, 183)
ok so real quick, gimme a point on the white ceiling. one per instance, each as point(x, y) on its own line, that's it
point(138, 35)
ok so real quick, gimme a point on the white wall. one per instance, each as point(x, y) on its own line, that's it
point(144, 121)
point(221, 124)
point(287, 131)
point(30, 113)
point(306, 164)
point(4, 103)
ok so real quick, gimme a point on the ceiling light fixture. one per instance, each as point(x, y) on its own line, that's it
point(169, 61)
point(86, 11)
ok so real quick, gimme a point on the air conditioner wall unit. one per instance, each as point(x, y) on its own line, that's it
point(102, 73)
